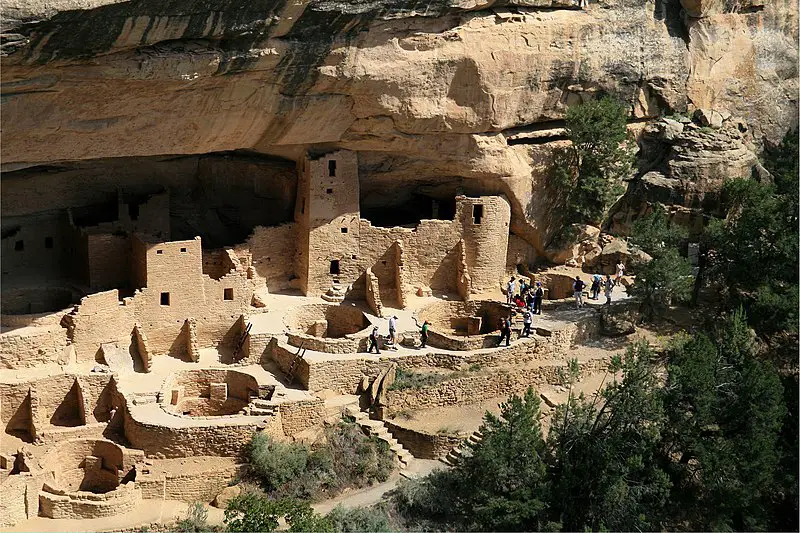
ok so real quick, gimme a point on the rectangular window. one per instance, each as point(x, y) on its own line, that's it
point(328, 191)
point(160, 252)
point(19, 246)
point(344, 230)
point(183, 250)
point(164, 298)
point(477, 213)
point(335, 267)
point(227, 294)
point(48, 242)
point(332, 168)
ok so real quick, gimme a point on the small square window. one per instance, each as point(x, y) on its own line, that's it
point(160, 252)
point(354, 257)
point(183, 250)
point(344, 230)
point(227, 294)
point(48, 242)
point(19, 246)
point(164, 298)
point(328, 191)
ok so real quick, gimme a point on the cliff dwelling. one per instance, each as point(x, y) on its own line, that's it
point(228, 221)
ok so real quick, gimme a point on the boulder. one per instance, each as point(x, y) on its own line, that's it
point(617, 320)
point(708, 117)
point(225, 496)
point(568, 250)
point(702, 8)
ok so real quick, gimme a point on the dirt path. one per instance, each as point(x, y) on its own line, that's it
point(374, 494)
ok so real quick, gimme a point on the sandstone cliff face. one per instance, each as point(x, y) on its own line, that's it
point(456, 94)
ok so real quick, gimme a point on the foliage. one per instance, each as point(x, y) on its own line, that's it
point(275, 463)
point(357, 519)
point(410, 379)
point(592, 168)
point(617, 442)
point(347, 459)
point(725, 410)
point(500, 485)
point(196, 519)
point(255, 512)
point(665, 280)
point(756, 245)
point(695, 449)
point(654, 234)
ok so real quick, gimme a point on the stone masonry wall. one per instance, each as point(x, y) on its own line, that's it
point(33, 346)
point(420, 443)
point(474, 389)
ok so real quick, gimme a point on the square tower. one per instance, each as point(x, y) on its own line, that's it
point(327, 214)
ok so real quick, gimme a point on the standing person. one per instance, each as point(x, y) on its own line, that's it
point(597, 279)
point(529, 300)
point(522, 287)
point(512, 288)
point(538, 296)
point(620, 271)
point(577, 289)
point(393, 329)
point(373, 341)
point(583, 4)
point(423, 333)
point(608, 285)
point(505, 332)
point(527, 321)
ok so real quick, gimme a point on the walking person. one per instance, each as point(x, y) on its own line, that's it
point(608, 285)
point(597, 280)
point(393, 330)
point(373, 341)
point(423, 334)
point(620, 272)
point(527, 322)
point(538, 296)
point(577, 289)
point(511, 289)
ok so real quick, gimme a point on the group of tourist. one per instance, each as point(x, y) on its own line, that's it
point(528, 300)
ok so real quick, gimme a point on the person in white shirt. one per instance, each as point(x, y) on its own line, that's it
point(620, 271)
point(393, 329)
point(512, 288)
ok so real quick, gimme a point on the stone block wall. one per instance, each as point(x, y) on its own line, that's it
point(274, 254)
point(299, 416)
point(422, 444)
point(33, 346)
point(87, 505)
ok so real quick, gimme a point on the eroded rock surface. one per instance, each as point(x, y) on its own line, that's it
point(449, 95)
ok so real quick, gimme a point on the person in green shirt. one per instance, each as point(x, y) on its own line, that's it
point(424, 333)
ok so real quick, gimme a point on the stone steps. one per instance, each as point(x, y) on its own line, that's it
point(376, 428)
point(454, 456)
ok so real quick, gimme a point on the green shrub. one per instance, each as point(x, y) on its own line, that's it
point(276, 463)
point(409, 379)
point(347, 459)
point(196, 519)
point(358, 519)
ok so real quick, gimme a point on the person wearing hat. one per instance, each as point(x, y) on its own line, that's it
point(538, 295)
point(393, 329)
point(373, 341)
